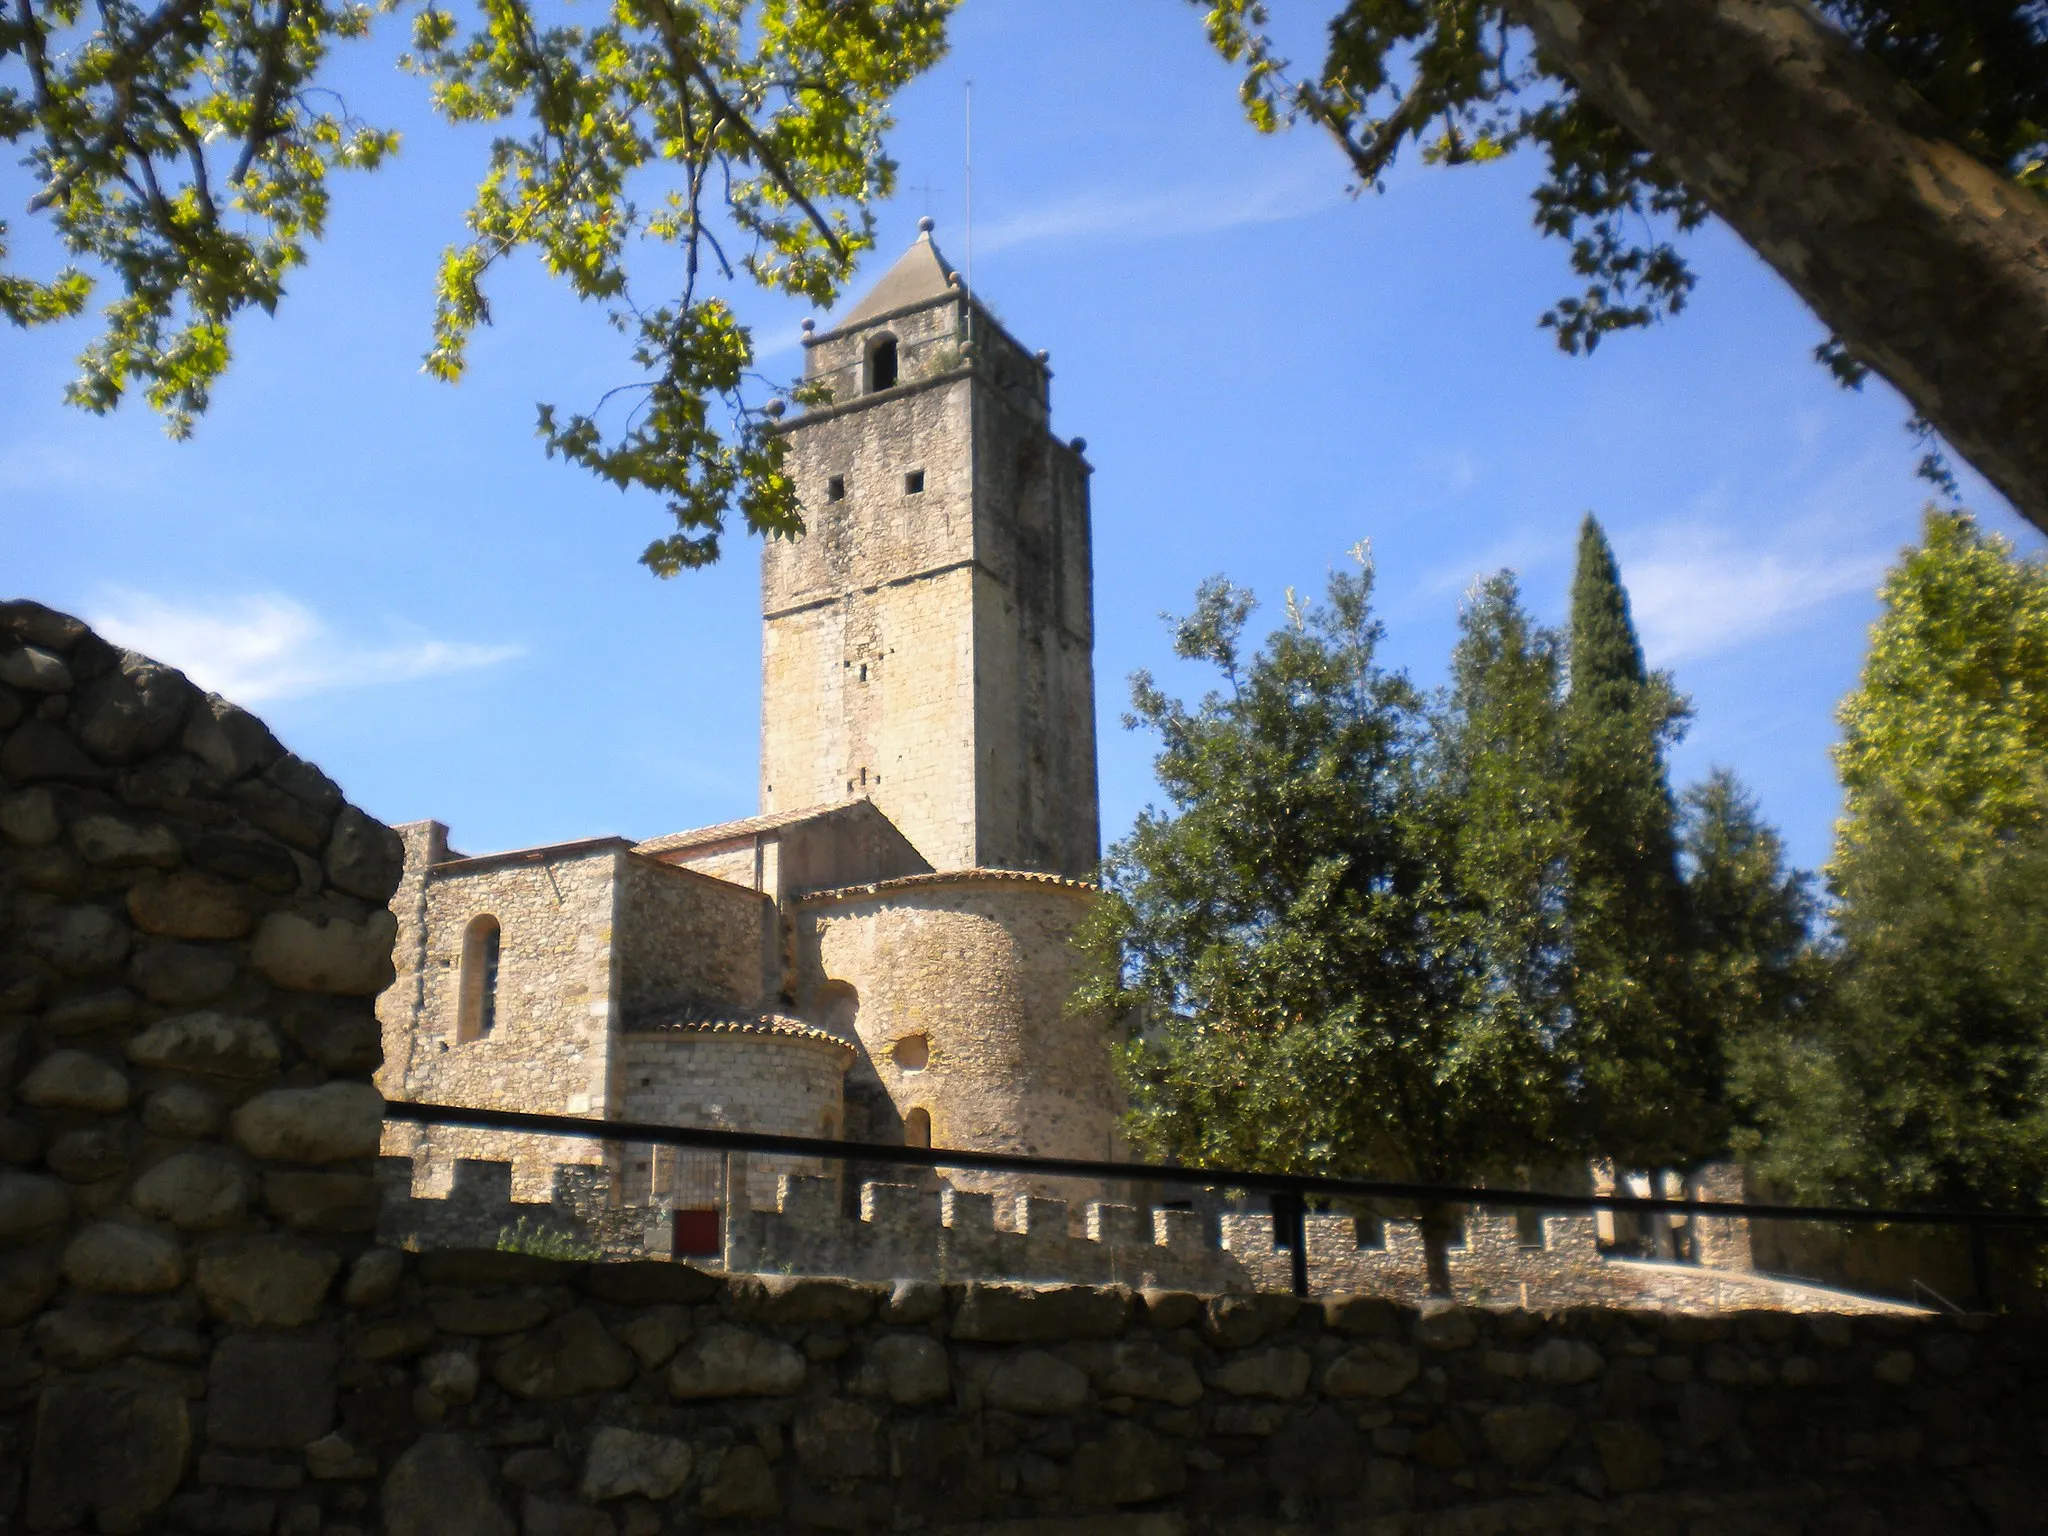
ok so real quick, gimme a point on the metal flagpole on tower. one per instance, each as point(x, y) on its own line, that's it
point(970, 186)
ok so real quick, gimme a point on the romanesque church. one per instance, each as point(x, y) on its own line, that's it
point(881, 954)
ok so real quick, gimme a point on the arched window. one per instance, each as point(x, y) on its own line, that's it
point(882, 364)
point(477, 1012)
point(917, 1128)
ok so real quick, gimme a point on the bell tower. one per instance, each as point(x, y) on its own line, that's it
point(928, 644)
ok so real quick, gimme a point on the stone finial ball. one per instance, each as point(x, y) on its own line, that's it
point(1080, 445)
point(924, 225)
point(953, 279)
point(810, 326)
point(773, 410)
point(1042, 355)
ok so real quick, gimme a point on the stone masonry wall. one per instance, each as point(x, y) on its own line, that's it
point(688, 937)
point(979, 966)
point(194, 929)
point(790, 1085)
point(549, 1051)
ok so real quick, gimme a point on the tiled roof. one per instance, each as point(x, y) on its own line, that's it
point(709, 1021)
point(953, 877)
point(727, 831)
point(919, 275)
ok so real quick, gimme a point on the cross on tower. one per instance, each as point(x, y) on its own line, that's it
point(927, 188)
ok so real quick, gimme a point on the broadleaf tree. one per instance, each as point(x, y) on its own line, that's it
point(182, 154)
point(1309, 984)
point(1925, 1076)
point(1886, 156)
point(1889, 158)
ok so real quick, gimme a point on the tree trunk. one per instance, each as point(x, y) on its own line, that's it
point(1929, 265)
point(1439, 1225)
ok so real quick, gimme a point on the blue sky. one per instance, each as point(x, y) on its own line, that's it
point(1266, 371)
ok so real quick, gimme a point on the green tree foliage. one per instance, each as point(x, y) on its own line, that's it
point(1500, 768)
point(1308, 980)
point(1926, 1076)
point(183, 152)
point(1755, 970)
point(1648, 1054)
point(1462, 82)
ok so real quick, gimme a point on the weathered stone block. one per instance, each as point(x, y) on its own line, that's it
point(67, 1079)
point(1376, 1368)
point(364, 858)
point(322, 1202)
point(798, 1299)
point(112, 841)
point(441, 1486)
point(731, 1362)
point(1234, 1321)
point(335, 1122)
point(36, 749)
point(1631, 1457)
point(216, 1044)
point(1143, 1369)
point(1565, 1362)
point(741, 1487)
point(111, 1452)
point(228, 739)
point(1021, 1314)
point(374, 1278)
point(190, 905)
point(267, 1282)
point(486, 1316)
point(196, 1191)
point(30, 1203)
point(305, 954)
point(1526, 1435)
point(132, 711)
point(571, 1356)
point(907, 1368)
point(270, 1392)
point(1032, 1381)
point(123, 1260)
point(1281, 1374)
point(29, 818)
point(837, 1439)
point(84, 1012)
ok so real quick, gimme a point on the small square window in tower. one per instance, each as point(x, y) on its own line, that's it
point(835, 488)
point(913, 483)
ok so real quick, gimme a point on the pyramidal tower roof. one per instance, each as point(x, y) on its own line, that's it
point(920, 275)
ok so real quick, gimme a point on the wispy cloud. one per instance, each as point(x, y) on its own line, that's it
point(1197, 208)
point(1694, 595)
point(266, 646)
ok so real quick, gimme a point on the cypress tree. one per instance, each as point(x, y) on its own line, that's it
point(1647, 1057)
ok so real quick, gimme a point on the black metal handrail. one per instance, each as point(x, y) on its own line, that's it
point(1298, 1184)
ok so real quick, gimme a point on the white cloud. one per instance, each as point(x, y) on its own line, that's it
point(1196, 209)
point(1694, 596)
point(269, 646)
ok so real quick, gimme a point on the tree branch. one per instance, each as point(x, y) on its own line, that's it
point(38, 59)
point(265, 106)
point(1369, 160)
point(681, 55)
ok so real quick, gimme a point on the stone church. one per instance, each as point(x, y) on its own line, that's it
point(881, 954)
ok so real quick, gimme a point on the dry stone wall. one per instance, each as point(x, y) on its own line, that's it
point(194, 932)
point(198, 1333)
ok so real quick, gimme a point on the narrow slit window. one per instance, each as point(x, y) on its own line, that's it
point(477, 1011)
point(913, 483)
point(835, 488)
